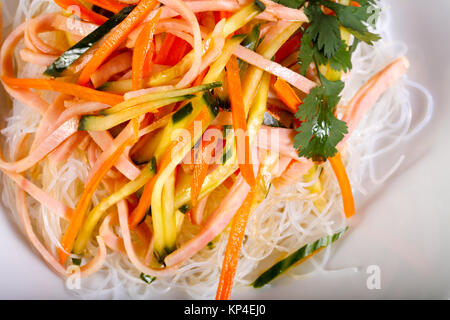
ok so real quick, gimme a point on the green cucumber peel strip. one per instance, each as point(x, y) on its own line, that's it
point(182, 113)
point(96, 214)
point(303, 253)
point(101, 122)
point(242, 17)
point(76, 51)
point(161, 95)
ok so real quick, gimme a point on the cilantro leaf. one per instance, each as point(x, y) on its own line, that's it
point(341, 60)
point(146, 278)
point(323, 30)
point(355, 19)
point(317, 139)
point(349, 16)
point(366, 36)
point(320, 131)
point(332, 90)
point(306, 54)
point(311, 104)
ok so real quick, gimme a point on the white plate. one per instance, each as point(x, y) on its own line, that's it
point(402, 229)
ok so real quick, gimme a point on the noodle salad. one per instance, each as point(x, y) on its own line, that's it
point(199, 145)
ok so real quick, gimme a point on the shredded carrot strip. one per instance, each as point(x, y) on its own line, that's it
point(66, 88)
point(287, 95)
point(198, 81)
point(144, 203)
point(181, 48)
point(85, 13)
point(173, 49)
point(201, 166)
point(143, 51)
point(165, 49)
point(127, 137)
point(239, 120)
point(110, 5)
point(233, 249)
point(344, 184)
point(219, 15)
point(115, 38)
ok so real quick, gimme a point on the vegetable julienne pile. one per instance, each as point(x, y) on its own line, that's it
point(124, 86)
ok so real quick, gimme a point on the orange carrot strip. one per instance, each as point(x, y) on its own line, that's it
point(115, 38)
point(146, 198)
point(239, 120)
point(127, 137)
point(110, 5)
point(201, 166)
point(287, 94)
point(144, 203)
point(219, 15)
point(233, 249)
point(344, 184)
point(198, 81)
point(165, 50)
point(180, 49)
point(85, 13)
point(172, 50)
point(143, 51)
point(66, 88)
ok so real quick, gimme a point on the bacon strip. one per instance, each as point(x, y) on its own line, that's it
point(295, 79)
point(97, 262)
point(217, 222)
point(118, 64)
point(40, 59)
point(111, 239)
point(103, 139)
point(28, 229)
point(36, 26)
point(182, 8)
point(368, 94)
point(25, 96)
point(40, 195)
point(50, 143)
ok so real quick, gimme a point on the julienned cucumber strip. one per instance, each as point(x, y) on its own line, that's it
point(96, 214)
point(160, 95)
point(251, 42)
point(182, 113)
point(242, 17)
point(101, 123)
point(74, 53)
point(295, 258)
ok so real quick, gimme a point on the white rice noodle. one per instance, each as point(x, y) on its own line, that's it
point(285, 221)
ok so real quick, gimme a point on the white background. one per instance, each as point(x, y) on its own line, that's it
point(403, 228)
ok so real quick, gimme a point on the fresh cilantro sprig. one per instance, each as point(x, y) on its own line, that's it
point(322, 39)
point(320, 130)
point(340, 61)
